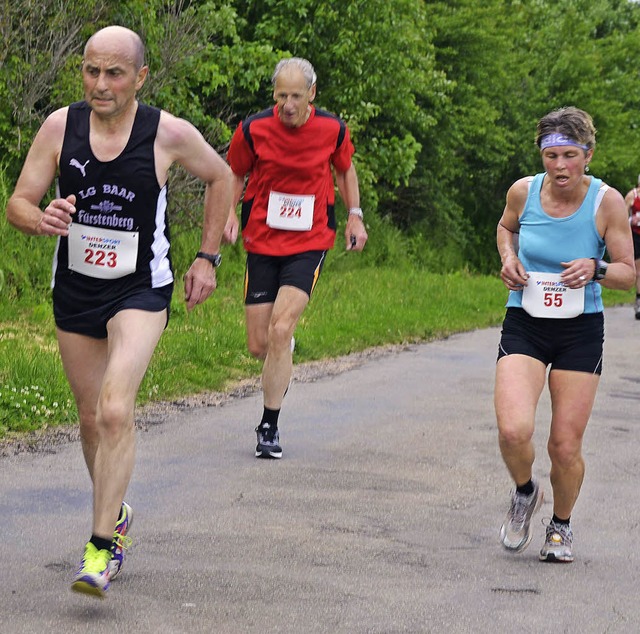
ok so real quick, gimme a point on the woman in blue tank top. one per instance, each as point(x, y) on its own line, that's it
point(552, 238)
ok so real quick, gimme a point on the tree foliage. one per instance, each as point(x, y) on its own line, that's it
point(442, 97)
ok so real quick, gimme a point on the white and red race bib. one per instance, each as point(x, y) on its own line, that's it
point(545, 295)
point(102, 253)
point(291, 212)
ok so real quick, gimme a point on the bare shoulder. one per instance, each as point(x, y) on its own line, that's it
point(517, 194)
point(46, 148)
point(176, 133)
point(52, 130)
point(612, 215)
point(179, 141)
point(521, 186)
point(58, 117)
point(613, 202)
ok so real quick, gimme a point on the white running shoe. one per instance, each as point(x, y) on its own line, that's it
point(558, 543)
point(515, 532)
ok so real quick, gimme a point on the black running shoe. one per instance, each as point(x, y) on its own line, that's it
point(268, 442)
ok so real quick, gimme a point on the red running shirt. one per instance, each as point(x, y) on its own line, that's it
point(292, 161)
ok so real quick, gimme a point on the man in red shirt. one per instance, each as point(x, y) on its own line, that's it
point(633, 205)
point(290, 153)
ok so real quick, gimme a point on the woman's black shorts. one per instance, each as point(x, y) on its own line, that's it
point(567, 344)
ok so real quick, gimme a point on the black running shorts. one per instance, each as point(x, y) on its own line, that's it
point(567, 344)
point(636, 245)
point(92, 319)
point(265, 274)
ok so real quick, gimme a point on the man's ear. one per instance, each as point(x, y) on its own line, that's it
point(142, 76)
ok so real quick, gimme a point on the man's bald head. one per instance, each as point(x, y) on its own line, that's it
point(125, 40)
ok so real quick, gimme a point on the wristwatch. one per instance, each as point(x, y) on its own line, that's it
point(356, 211)
point(600, 270)
point(214, 259)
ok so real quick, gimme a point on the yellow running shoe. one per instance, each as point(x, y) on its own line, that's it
point(93, 574)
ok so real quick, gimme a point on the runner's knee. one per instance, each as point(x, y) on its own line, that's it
point(115, 416)
point(280, 335)
point(564, 453)
point(515, 433)
point(257, 346)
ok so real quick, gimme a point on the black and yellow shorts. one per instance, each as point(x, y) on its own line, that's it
point(265, 274)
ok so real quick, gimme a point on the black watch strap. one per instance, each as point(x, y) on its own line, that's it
point(601, 269)
point(214, 259)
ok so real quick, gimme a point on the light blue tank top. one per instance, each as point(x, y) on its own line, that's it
point(545, 241)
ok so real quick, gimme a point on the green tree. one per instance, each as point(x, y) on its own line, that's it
point(39, 38)
point(584, 53)
point(509, 63)
point(375, 66)
point(442, 97)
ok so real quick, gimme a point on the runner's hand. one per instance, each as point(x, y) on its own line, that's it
point(199, 282)
point(231, 229)
point(513, 274)
point(355, 234)
point(57, 217)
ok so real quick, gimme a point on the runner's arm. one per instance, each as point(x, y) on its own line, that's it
point(512, 273)
point(179, 141)
point(38, 172)
point(355, 233)
point(232, 227)
point(613, 224)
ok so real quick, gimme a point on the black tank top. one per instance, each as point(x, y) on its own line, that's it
point(122, 195)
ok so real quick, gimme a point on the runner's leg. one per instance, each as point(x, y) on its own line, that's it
point(84, 360)
point(278, 364)
point(519, 383)
point(572, 398)
point(257, 318)
point(132, 335)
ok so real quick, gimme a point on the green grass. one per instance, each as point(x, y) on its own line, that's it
point(33, 389)
point(352, 309)
point(363, 300)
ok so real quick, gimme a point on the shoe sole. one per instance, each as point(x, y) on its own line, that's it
point(84, 587)
point(130, 516)
point(551, 558)
point(527, 541)
point(555, 558)
point(268, 454)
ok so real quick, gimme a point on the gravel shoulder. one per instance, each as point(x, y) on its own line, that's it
point(159, 412)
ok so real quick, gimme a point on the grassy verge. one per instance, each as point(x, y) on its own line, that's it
point(363, 300)
point(352, 309)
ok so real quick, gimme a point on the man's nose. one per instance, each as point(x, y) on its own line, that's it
point(101, 81)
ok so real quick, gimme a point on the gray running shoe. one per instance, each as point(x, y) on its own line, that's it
point(515, 533)
point(637, 308)
point(558, 543)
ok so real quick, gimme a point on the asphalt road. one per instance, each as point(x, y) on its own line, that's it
point(382, 517)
